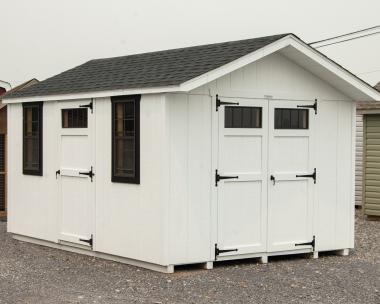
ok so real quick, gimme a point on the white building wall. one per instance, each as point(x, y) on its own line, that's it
point(131, 219)
point(189, 132)
point(32, 200)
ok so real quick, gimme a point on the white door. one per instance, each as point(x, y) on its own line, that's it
point(242, 156)
point(76, 169)
point(290, 194)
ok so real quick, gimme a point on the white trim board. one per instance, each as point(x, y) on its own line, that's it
point(320, 62)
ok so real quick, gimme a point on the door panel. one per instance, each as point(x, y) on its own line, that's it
point(290, 198)
point(242, 153)
point(77, 191)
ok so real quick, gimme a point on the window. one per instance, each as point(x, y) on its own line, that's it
point(126, 139)
point(291, 119)
point(32, 138)
point(242, 117)
point(74, 118)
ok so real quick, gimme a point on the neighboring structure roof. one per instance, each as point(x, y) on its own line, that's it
point(22, 86)
point(369, 106)
point(6, 85)
point(155, 69)
point(377, 87)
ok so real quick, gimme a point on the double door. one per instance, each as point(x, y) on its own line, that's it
point(265, 177)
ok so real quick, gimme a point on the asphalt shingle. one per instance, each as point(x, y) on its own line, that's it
point(155, 69)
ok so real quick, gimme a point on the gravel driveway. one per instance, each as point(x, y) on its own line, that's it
point(34, 274)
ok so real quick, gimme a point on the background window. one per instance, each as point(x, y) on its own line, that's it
point(74, 118)
point(126, 139)
point(242, 117)
point(32, 138)
point(291, 119)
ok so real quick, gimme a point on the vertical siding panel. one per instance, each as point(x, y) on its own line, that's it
point(359, 159)
point(371, 167)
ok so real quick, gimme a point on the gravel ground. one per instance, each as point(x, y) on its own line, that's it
point(34, 274)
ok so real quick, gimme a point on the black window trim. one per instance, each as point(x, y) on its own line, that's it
point(136, 178)
point(38, 172)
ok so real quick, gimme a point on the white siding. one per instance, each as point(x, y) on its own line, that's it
point(190, 177)
point(359, 159)
point(280, 78)
point(131, 219)
point(32, 200)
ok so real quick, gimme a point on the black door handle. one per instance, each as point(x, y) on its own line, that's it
point(272, 178)
point(58, 172)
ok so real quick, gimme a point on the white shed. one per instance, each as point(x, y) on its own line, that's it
point(216, 152)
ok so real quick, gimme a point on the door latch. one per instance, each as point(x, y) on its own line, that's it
point(58, 172)
point(218, 177)
point(272, 178)
point(313, 175)
point(90, 173)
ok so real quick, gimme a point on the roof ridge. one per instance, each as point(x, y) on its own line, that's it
point(193, 47)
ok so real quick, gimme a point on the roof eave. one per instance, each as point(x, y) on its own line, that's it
point(91, 94)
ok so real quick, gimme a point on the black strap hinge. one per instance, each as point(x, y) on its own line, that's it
point(221, 103)
point(218, 177)
point(313, 175)
point(219, 251)
point(90, 173)
point(88, 241)
point(89, 106)
point(314, 106)
point(312, 243)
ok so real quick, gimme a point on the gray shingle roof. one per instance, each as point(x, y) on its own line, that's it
point(155, 69)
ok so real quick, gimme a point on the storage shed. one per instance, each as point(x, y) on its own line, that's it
point(216, 152)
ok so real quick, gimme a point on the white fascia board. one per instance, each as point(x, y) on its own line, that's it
point(89, 95)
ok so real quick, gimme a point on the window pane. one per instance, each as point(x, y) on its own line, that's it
point(285, 123)
point(247, 118)
point(242, 117)
point(237, 117)
point(228, 117)
point(74, 118)
point(294, 119)
point(291, 118)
